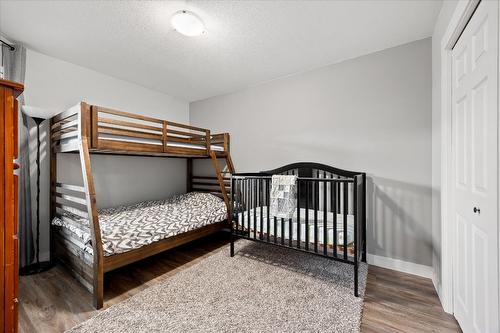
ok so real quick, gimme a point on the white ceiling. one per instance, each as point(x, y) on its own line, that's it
point(247, 42)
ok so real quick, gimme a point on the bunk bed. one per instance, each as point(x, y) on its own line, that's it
point(92, 241)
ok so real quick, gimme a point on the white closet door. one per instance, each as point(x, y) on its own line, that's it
point(475, 172)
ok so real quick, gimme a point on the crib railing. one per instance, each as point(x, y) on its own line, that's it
point(329, 219)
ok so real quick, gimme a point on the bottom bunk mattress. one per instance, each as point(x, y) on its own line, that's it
point(127, 228)
point(299, 228)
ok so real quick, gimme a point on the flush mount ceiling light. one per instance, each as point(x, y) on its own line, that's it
point(187, 23)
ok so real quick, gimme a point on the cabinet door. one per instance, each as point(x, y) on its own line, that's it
point(9, 203)
point(2, 209)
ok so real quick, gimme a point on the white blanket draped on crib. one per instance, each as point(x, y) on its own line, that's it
point(283, 196)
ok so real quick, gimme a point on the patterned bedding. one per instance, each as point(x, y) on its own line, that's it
point(127, 228)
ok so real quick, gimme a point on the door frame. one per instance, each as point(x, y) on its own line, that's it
point(462, 14)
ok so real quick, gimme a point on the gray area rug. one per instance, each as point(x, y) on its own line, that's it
point(262, 289)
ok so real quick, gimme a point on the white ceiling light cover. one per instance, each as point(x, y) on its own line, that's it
point(187, 23)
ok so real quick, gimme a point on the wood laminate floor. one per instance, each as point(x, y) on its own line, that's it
point(53, 301)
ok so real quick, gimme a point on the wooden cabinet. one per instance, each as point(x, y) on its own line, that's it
point(9, 259)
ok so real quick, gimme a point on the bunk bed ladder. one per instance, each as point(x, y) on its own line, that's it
point(218, 173)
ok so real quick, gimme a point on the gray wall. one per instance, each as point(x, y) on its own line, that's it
point(55, 85)
point(371, 114)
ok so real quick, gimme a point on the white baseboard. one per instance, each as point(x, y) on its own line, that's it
point(439, 292)
point(401, 266)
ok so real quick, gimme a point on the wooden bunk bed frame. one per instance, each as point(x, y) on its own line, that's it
point(87, 129)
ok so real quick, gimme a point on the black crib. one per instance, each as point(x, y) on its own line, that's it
point(330, 218)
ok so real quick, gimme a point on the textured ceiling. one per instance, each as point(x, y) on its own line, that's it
point(247, 42)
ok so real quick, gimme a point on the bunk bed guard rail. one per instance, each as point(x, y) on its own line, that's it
point(330, 216)
point(111, 130)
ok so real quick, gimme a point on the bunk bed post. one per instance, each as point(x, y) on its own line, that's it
point(189, 183)
point(88, 183)
point(226, 143)
point(93, 128)
point(53, 183)
point(208, 141)
point(164, 135)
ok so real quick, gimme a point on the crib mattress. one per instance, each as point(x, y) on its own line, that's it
point(126, 228)
point(248, 224)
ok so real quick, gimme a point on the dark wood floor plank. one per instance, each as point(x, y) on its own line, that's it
point(53, 301)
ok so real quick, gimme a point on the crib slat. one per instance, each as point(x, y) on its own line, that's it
point(231, 218)
point(275, 230)
point(355, 244)
point(254, 188)
point(338, 198)
point(282, 231)
point(249, 203)
point(268, 208)
point(298, 214)
point(325, 217)
point(290, 225)
point(334, 210)
point(316, 195)
point(307, 215)
point(261, 212)
point(234, 205)
point(241, 202)
point(346, 208)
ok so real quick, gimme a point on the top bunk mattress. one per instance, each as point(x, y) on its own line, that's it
point(159, 143)
point(130, 227)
